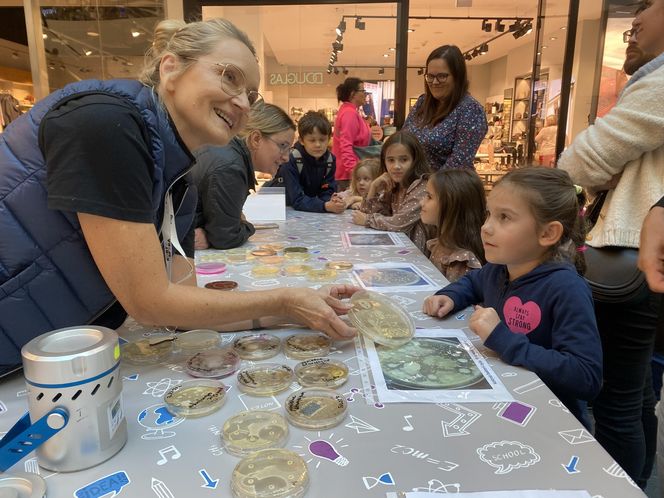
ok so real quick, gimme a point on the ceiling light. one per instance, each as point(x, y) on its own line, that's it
point(329, 70)
point(529, 28)
point(87, 52)
point(92, 33)
point(340, 38)
point(44, 36)
point(341, 28)
point(411, 30)
point(514, 27)
point(563, 28)
point(544, 46)
point(135, 33)
point(484, 48)
point(386, 55)
point(468, 56)
point(392, 49)
point(420, 72)
point(128, 63)
point(381, 70)
point(486, 26)
point(14, 55)
point(338, 47)
point(336, 70)
point(500, 27)
point(476, 52)
point(360, 24)
point(553, 38)
point(345, 71)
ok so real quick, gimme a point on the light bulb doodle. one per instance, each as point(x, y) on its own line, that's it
point(386, 479)
point(324, 449)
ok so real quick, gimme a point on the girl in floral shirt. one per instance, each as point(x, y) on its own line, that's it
point(393, 202)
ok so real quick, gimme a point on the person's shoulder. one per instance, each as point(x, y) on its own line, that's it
point(563, 278)
point(224, 158)
point(470, 102)
point(94, 105)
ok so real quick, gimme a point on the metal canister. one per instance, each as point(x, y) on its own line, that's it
point(77, 369)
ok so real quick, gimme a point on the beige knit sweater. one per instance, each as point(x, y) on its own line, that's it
point(628, 140)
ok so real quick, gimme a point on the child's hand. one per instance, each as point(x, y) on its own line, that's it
point(359, 218)
point(200, 239)
point(380, 184)
point(438, 306)
point(483, 321)
point(335, 205)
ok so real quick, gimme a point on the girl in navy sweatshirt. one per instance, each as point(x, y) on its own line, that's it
point(532, 306)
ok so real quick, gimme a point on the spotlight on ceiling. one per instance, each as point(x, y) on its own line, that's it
point(135, 33)
point(484, 48)
point(360, 24)
point(336, 70)
point(476, 52)
point(87, 52)
point(411, 30)
point(341, 28)
point(340, 38)
point(338, 47)
point(468, 56)
point(486, 26)
point(381, 70)
point(345, 71)
point(500, 27)
point(528, 28)
point(329, 69)
point(514, 27)
point(420, 72)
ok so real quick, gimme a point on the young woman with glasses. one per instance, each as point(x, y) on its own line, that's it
point(224, 175)
point(448, 122)
point(350, 130)
point(94, 195)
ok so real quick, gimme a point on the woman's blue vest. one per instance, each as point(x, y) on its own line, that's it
point(48, 279)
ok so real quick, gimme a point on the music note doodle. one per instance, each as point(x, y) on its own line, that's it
point(165, 451)
point(408, 427)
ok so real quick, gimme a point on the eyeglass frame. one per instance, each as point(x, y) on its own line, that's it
point(440, 77)
point(225, 65)
point(627, 35)
point(283, 148)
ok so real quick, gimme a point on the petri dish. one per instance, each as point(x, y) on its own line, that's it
point(389, 277)
point(274, 246)
point(321, 275)
point(237, 258)
point(297, 256)
point(429, 363)
point(305, 346)
point(380, 319)
point(210, 268)
point(295, 249)
point(270, 473)
point(296, 270)
point(148, 351)
point(22, 485)
point(268, 251)
point(194, 341)
point(254, 430)
point(321, 372)
point(221, 285)
point(316, 408)
point(213, 363)
point(265, 379)
point(195, 398)
point(339, 265)
point(263, 271)
point(257, 346)
point(271, 260)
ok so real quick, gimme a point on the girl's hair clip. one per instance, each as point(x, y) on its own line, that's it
point(582, 248)
point(579, 189)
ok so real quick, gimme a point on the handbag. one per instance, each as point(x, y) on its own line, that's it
point(612, 272)
point(371, 150)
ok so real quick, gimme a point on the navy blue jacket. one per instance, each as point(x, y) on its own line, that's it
point(548, 326)
point(310, 189)
point(48, 279)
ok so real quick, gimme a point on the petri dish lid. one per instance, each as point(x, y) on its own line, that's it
point(267, 251)
point(322, 275)
point(22, 485)
point(297, 256)
point(197, 340)
point(380, 319)
point(271, 473)
point(321, 372)
point(210, 268)
point(264, 271)
point(339, 265)
point(265, 379)
point(148, 351)
point(213, 363)
point(257, 346)
point(296, 270)
point(221, 285)
point(271, 260)
point(315, 408)
point(305, 346)
point(254, 430)
point(195, 398)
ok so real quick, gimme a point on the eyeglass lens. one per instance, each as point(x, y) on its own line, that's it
point(233, 82)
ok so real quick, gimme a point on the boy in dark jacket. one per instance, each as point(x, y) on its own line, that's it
point(309, 174)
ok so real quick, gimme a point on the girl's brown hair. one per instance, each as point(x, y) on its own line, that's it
point(408, 140)
point(552, 197)
point(372, 164)
point(431, 112)
point(461, 209)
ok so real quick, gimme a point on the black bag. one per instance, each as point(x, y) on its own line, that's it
point(612, 272)
point(371, 150)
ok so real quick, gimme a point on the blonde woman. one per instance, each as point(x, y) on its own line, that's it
point(224, 175)
point(117, 154)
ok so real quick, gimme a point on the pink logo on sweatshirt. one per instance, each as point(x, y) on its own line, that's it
point(521, 318)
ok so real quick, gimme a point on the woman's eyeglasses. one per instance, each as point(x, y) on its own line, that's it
point(440, 77)
point(284, 147)
point(233, 81)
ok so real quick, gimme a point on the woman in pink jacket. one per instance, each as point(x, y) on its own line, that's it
point(349, 130)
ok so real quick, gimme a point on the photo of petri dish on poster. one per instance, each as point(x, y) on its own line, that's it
point(393, 277)
point(371, 239)
point(436, 366)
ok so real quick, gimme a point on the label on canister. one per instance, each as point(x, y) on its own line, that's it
point(115, 412)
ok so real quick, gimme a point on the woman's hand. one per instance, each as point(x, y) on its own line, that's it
point(438, 306)
point(200, 239)
point(483, 321)
point(360, 218)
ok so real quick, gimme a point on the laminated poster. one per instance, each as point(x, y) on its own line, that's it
point(393, 277)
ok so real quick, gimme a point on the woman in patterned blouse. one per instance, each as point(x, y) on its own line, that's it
point(448, 122)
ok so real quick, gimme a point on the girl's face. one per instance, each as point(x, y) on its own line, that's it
point(272, 151)
point(398, 161)
point(648, 25)
point(203, 113)
point(430, 205)
point(510, 234)
point(363, 180)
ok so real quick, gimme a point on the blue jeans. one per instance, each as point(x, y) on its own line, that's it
point(624, 411)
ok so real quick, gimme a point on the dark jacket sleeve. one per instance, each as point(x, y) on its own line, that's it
point(660, 203)
point(573, 364)
point(222, 193)
point(295, 193)
point(465, 291)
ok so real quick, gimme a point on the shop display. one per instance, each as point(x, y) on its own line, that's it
point(213, 363)
point(221, 285)
point(148, 351)
point(265, 379)
point(194, 341)
point(321, 372)
point(271, 473)
point(257, 346)
point(305, 346)
point(254, 430)
point(380, 319)
point(316, 408)
point(195, 398)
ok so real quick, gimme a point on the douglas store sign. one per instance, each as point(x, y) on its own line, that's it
point(310, 78)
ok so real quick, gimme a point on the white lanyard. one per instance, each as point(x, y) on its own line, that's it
point(169, 234)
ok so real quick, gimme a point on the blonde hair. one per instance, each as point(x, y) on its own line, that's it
point(267, 119)
point(188, 41)
point(372, 164)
